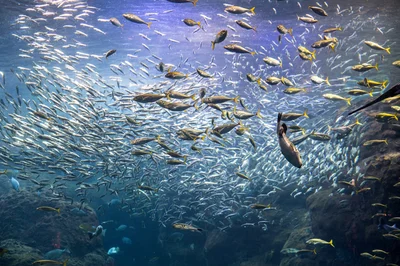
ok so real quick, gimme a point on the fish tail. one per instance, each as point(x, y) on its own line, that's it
point(385, 83)
point(315, 251)
point(290, 32)
point(395, 117)
point(195, 107)
point(331, 243)
point(340, 29)
point(313, 54)
point(258, 114)
point(329, 129)
point(168, 97)
point(327, 81)
point(332, 46)
point(298, 18)
point(305, 113)
point(195, 2)
point(358, 122)
point(259, 81)
point(212, 45)
point(253, 53)
point(199, 23)
point(149, 24)
point(370, 93)
point(386, 142)
point(388, 50)
point(376, 66)
point(252, 10)
point(58, 210)
point(280, 64)
point(303, 131)
point(254, 28)
point(236, 99)
point(65, 262)
point(348, 100)
point(193, 97)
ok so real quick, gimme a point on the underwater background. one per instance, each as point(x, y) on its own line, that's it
point(126, 139)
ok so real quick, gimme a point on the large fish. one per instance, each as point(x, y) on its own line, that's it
point(288, 150)
point(393, 91)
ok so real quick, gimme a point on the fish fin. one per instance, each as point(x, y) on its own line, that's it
point(313, 54)
point(358, 122)
point(366, 82)
point(258, 114)
point(279, 117)
point(65, 262)
point(284, 127)
point(376, 66)
point(331, 243)
point(332, 46)
point(298, 18)
point(252, 10)
point(370, 93)
point(348, 100)
point(315, 251)
point(386, 142)
point(388, 50)
point(259, 81)
point(385, 83)
point(149, 24)
point(290, 32)
point(305, 114)
point(195, 2)
point(327, 81)
point(253, 53)
point(236, 99)
point(212, 45)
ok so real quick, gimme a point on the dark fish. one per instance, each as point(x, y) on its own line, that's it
point(219, 38)
point(111, 52)
point(318, 10)
point(395, 90)
point(194, 2)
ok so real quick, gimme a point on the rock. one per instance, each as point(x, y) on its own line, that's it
point(93, 259)
point(18, 254)
point(46, 230)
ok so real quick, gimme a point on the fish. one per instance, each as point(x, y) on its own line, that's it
point(335, 97)
point(136, 19)
point(116, 22)
point(44, 262)
point(194, 2)
point(238, 49)
point(318, 10)
point(283, 30)
point(371, 257)
point(113, 251)
point(289, 151)
point(297, 251)
point(241, 175)
point(376, 46)
point(393, 91)
point(326, 42)
point(56, 254)
point(220, 37)
point(371, 83)
point(190, 22)
point(317, 241)
point(375, 142)
point(293, 90)
point(110, 52)
point(330, 30)
point(319, 136)
point(245, 25)
point(188, 227)
point(293, 116)
point(310, 20)
point(97, 232)
point(364, 67)
point(318, 80)
point(305, 51)
point(239, 10)
point(203, 73)
point(258, 206)
point(396, 63)
point(272, 61)
point(148, 97)
point(15, 184)
point(219, 99)
point(359, 92)
point(48, 209)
